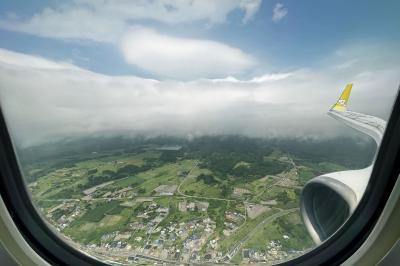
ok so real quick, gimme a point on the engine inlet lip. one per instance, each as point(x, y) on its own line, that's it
point(307, 213)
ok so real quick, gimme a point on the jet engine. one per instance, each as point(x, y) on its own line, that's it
point(327, 201)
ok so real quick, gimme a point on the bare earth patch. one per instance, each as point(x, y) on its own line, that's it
point(254, 210)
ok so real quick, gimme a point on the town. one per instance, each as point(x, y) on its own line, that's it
point(171, 205)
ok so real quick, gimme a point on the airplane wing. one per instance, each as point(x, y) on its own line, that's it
point(370, 125)
point(329, 199)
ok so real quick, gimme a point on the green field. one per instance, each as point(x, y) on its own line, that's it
point(228, 242)
point(124, 197)
point(99, 211)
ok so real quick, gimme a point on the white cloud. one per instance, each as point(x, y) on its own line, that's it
point(117, 22)
point(182, 58)
point(107, 20)
point(279, 12)
point(271, 77)
point(250, 7)
point(44, 100)
point(28, 61)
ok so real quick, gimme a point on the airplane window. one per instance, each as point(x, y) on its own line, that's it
point(197, 132)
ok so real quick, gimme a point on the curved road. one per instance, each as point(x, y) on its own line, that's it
point(230, 254)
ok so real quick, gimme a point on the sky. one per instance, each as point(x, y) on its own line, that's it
point(190, 68)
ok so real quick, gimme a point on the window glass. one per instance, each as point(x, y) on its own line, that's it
point(197, 131)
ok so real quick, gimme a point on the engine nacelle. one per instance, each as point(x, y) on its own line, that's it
point(328, 200)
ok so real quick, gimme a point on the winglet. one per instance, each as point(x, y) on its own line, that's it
point(341, 104)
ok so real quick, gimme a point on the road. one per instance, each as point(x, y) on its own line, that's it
point(233, 249)
point(148, 257)
point(268, 187)
point(230, 254)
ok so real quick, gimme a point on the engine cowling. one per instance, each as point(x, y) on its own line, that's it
point(327, 201)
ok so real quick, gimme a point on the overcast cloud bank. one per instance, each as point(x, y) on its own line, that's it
point(45, 100)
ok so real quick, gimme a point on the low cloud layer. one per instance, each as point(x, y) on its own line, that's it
point(182, 58)
point(44, 100)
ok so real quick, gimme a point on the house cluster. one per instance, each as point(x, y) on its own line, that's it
point(114, 241)
point(185, 206)
point(212, 252)
point(152, 215)
point(233, 220)
point(273, 253)
point(122, 193)
point(239, 192)
point(180, 241)
point(69, 212)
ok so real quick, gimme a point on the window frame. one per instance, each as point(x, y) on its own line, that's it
point(334, 251)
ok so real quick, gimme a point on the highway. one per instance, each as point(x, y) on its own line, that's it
point(230, 254)
point(237, 247)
